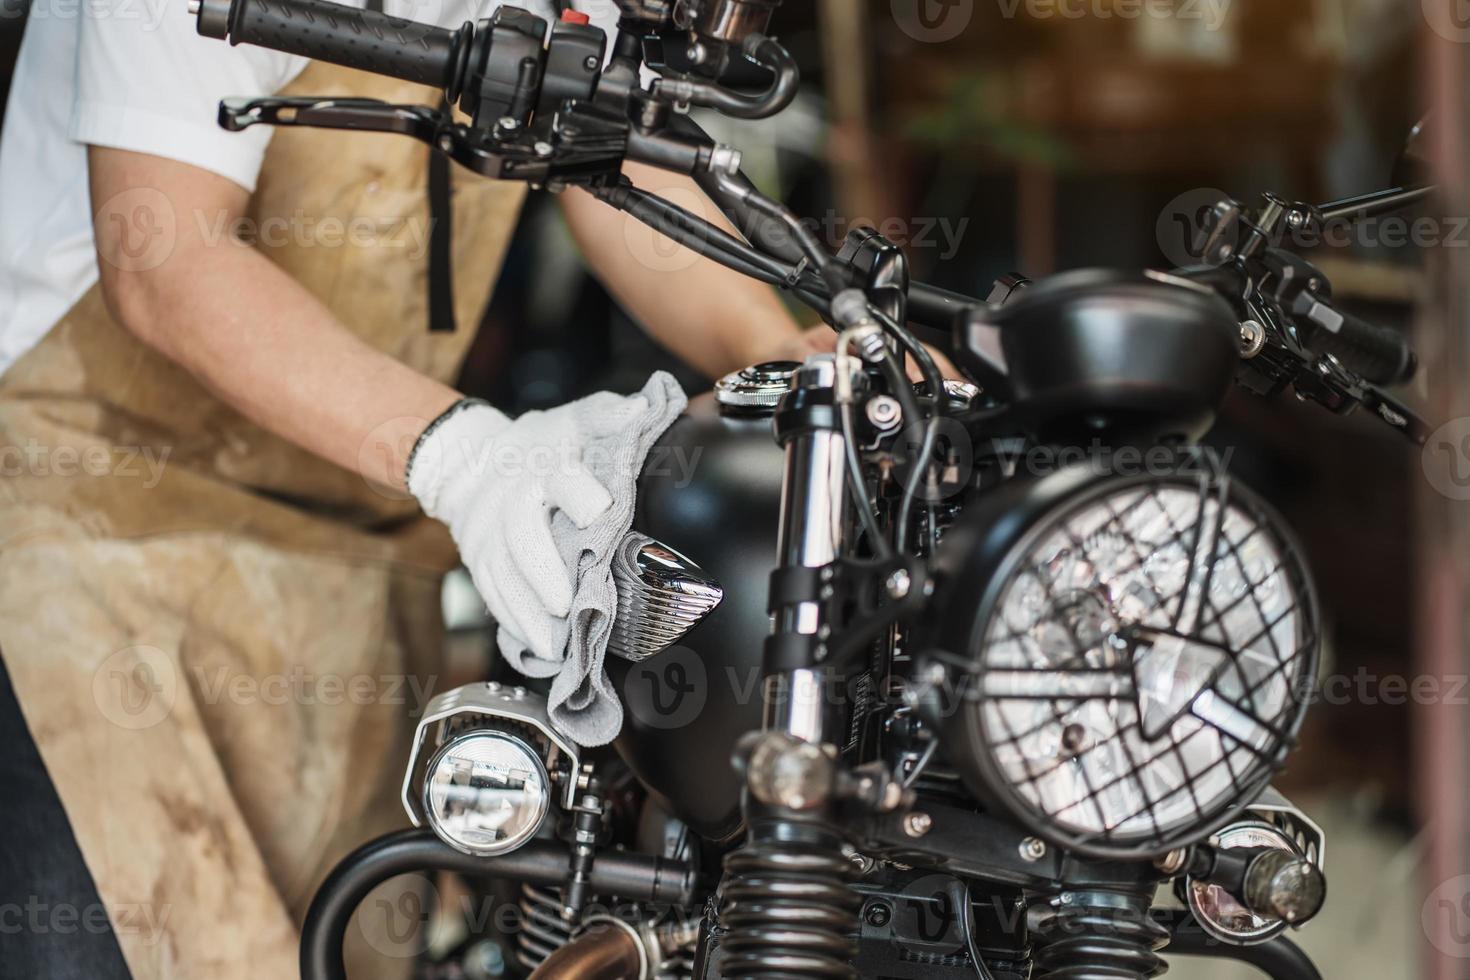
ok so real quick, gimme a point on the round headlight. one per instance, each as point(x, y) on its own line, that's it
point(486, 793)
point(1134, 669)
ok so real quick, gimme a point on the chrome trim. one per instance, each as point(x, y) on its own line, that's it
point(756, 388)
point(490, 702)
point(662, 595)
point(1276, 809)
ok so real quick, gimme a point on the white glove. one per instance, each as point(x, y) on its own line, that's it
point(496, 483)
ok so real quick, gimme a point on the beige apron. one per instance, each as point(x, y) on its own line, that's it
point(218, 641)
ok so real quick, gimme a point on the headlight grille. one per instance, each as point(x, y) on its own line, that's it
point(1141, 673)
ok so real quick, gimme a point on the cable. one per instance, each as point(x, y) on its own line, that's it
point(816, 253)
point(764, 51)
point(898, 381)
point(927, 367)
point(924, 460)
point(713, 242)
point(859, 487)
point(693, 232)
point(922, 763)
point(959, 897)
point(710, 241)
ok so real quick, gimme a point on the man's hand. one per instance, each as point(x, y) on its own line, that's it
point(497, 483)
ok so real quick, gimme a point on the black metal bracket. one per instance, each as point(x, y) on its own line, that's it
point(861, 598)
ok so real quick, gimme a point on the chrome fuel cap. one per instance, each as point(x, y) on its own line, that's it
point(755, 389)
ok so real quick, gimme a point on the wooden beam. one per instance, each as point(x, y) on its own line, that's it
point(852, 150)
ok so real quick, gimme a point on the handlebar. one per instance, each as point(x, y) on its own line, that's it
point(343, 35)
point(1379, 354)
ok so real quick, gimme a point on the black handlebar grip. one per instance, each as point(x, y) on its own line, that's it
point(342, 35)
point(1381, 355)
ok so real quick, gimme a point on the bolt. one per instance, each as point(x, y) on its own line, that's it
point(509, 123)
point(543, 148)
point(899, 583)
point(917, 824)
point(877, 915)
point(1033, 849)
point(591, 63)
point(884, 412)
point(1252, 338)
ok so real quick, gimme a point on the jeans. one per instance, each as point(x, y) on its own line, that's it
point(53, 925)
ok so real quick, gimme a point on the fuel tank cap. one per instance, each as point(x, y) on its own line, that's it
point(755, 390)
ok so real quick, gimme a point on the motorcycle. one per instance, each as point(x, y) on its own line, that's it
point(948, 679)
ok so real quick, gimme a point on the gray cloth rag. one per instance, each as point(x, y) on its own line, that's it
point(583, 702)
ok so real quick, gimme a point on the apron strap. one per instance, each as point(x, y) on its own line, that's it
point(441, 231)
point(441, 228)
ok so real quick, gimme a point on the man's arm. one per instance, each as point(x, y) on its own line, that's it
point(715, 319)
point(246, 329)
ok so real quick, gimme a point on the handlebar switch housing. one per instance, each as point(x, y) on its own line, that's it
point(503, 83)
point(573, 64)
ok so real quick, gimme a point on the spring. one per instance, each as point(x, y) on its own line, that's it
point(1096, 935)
point(789, 911)
point(677, 967)
point(543, 930)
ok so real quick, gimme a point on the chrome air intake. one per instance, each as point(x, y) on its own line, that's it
point(661, 596)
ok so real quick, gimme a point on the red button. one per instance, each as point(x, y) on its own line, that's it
point(570, 16)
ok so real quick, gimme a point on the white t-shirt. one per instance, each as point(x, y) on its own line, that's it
point(135, 75)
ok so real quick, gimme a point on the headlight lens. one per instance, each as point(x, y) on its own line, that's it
point(1219, 912)
point(486, 793)
point(1141, 669)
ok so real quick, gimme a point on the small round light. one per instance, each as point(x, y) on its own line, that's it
point(487, 793)
point(1217, 911)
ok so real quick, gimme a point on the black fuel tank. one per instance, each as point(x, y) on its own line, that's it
point(711, 490)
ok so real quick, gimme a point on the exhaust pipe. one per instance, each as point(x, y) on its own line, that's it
point(608, 950)
point(611, 949)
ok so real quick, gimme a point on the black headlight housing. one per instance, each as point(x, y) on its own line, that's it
point(1120, 661)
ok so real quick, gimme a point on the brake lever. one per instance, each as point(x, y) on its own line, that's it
point(579, 147)
point(1321, 379)
point(1278, 358)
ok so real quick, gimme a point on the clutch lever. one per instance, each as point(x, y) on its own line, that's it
point(372, 115)
point(577, 148)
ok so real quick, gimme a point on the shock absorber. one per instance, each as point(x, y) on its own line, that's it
point(788, 906)
point(1097, 934)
